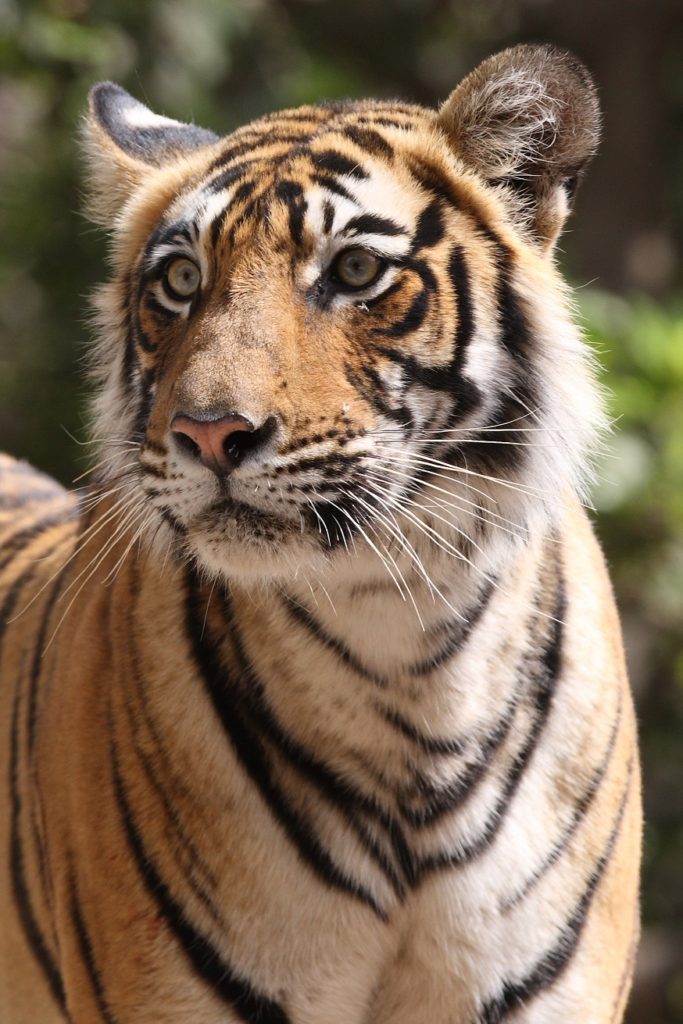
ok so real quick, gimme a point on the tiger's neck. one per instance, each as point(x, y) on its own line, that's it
point(374, 676)
point(356, 722)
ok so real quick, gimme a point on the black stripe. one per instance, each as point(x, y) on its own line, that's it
point(580, 811)
point(151, 470)
point(500, 444)
point(129, 361)
point(548, 672)
point(306, 619)
point(384, 121)
point(156, 307)
point(516, 335)
point(446, 799)
point(340, 791)
point(331, 184)
point(243, 191)
point(373, 224)
point(369, 140)
point(217, 225)
point(248, 744)
point(334, 162)
point(460, 280)
point(145, 400)
point(20, 539)
point(460, 633)
point(192, 857)
point(292, 194)
point(250, 1005)
point(383, 296)
point(12, 594)
point(171, 520)
point(20, 889)
point(260, 139)
point(429, 744)
point(430, 178)
point(515, 994)
point(430, 228)
point(411, 320)
point(227, 178)
point(37, 815)
point(448, 378)
point(87, 953)
point(247, 213)
point(328, 216)
point(140, 336)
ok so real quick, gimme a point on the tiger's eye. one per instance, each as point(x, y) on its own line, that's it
point(357, 268)
point(183, 277)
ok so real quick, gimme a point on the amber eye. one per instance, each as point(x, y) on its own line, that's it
point(357, 268)
point(183, 277)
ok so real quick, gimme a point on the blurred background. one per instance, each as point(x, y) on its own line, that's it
point(220, 63)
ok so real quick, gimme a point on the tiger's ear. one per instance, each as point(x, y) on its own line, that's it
point(124, 142)
point(527, 119)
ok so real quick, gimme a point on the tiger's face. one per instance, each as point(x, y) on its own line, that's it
point(340, 328)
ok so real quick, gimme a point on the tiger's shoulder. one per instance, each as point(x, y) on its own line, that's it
point(34, 509)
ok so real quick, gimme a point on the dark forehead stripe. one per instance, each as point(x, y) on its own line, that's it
point(264, 140)
point(371, 223)
point(336, 163)
point(371, 141)
point(328, 216)
point(292, 194)
point(357, 121)
point(227, 178)
point(331, 184)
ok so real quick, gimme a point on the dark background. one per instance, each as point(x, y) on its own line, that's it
point(221, 62)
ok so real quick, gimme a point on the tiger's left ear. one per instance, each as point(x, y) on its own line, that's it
point(527, 119)
point(124, 142)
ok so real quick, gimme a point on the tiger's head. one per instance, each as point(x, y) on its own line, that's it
point(339, 330)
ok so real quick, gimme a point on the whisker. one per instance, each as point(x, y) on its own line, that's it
point(93, 566)
point(409, 592)
point(418, 561)
point(382, 559)
point(461, 470)
point(81, 541)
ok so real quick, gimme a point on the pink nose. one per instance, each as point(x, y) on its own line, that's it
point(221, 444)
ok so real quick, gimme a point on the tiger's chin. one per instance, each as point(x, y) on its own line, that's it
point(238, 542)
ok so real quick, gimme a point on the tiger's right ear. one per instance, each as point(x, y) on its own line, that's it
point(528, 121)
point(124, 142)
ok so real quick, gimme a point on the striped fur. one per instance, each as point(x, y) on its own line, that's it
point(344, 735)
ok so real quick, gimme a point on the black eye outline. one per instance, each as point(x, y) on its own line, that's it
point(341, 285)
point(168, 287)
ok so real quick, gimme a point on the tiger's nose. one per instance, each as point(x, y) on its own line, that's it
point(222, 443)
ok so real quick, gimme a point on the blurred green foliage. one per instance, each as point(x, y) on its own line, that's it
point(220, 63)
point(640, 505)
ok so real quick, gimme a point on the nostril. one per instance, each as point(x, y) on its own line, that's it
point(241, 442)
point(237, 445)
point(187, 444)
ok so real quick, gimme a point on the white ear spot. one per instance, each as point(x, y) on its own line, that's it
point(139, 116)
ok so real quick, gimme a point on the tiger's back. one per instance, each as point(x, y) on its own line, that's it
point(314, 703)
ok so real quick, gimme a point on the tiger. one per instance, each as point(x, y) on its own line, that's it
point(314, 701)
